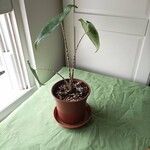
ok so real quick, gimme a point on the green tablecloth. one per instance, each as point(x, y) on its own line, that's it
point(120, 119)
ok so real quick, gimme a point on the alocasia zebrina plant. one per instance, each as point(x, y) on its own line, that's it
point(57, 21)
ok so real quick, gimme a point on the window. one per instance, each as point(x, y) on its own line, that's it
point(15, 76)
point(12, 57)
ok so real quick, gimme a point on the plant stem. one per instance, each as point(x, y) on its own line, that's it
point(60, 75)
point(66, 49)
point(75, 53)
point(64, 80)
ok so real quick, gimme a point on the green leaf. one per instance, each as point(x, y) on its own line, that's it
point(34, 74)
point(91, 32)
point(53, 24)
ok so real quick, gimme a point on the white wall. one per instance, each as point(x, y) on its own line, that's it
point(143, 71)
point(123, 26)
point(50, 54)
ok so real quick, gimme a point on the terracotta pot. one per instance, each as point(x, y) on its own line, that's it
point(70, 112)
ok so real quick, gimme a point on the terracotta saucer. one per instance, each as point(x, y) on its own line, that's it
point(77, 125)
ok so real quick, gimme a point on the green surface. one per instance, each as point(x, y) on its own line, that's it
point(120, 111)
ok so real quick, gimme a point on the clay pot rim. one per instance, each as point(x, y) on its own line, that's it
point(63, 101)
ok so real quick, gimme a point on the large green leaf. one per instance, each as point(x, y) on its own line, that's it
point(34, 74)
point(53, 24)
point(91, 32)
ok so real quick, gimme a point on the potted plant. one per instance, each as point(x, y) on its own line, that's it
point(71, 93)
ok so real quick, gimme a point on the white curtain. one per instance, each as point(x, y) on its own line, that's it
point(5, 6)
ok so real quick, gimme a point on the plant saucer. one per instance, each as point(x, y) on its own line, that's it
point(86, 119)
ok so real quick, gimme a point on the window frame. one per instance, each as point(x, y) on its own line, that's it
point(25, 37)
point(26, 43)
